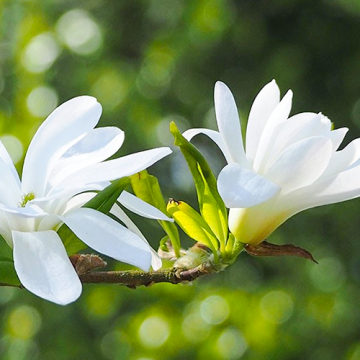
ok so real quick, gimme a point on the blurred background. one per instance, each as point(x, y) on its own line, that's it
point(152, 61)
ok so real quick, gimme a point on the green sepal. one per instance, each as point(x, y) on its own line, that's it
point(211, 204)
point(103, 202)
point(105, 199)
point(233, 249)
point(147, 188)
point(7, 272)
point(193, 224)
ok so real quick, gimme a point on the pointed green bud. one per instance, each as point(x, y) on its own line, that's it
point(192, 224)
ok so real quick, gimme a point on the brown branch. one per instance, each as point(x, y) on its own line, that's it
point(135, 278)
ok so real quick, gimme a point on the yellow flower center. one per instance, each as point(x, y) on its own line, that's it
point(27, 197)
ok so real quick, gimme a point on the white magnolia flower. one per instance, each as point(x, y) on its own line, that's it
point(290, 164)
point(65, 159)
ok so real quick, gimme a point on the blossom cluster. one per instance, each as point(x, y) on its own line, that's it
point(288, 164)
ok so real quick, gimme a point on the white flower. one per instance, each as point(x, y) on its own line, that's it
point(64, 160)
point(290, 164)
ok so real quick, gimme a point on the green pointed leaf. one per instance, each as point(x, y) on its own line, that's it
point(211, 205)
point(147, 188)
point(105, 199)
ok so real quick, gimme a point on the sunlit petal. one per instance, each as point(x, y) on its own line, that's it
point(108, 237)
point(242, 188)
point(264, 104)
point(66, 125)
point(301, 163)
point(214, 136)
point(116, 210)
point(44, 268)
point(229, 123)
point(142, 208)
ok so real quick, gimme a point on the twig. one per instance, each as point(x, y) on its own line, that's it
point(135, 278)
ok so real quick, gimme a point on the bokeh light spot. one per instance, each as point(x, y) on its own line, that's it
point(276, 306)
point(194, 328)
point(40, 53)
point(77, 30)
point(42, 100)
point(154, 332)
point(24, 322)
point(13, 146)
point(329, 275)
point(214, 309)
point(231, 344)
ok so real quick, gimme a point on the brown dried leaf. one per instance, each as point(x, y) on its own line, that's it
point(268, 249)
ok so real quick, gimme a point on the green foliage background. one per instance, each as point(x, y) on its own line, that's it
point(152, 61)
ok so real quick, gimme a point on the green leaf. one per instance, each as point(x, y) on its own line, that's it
point(211, 204)
point(105, 199)
point(7, 272)
point(147, 188)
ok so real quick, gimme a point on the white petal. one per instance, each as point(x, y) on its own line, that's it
point(343, 159)
point(229, 123)
point(63, 128)
point(142, 208)
point(116, 169)
point(108, 237)
point(156, 262)
point(9, 187)
point(7, 159)
point(96, 146)
point(214, 136)
point(29, 211)
point(301, 163)
point(271, 131)
point(337, 136)
point(264, 104)
point(44, 268)
point(296, 128)
point(337, 188)
point(242, 188)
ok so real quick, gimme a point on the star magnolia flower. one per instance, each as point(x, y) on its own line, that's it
point(65, 158)
point(290, 164)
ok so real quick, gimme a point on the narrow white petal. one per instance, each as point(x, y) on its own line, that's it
point(337, 188)
point(264, 104)
point(242, 188)
point(229, 123)
point(116, 169)
point(9, 187)
point(300, 164)
point(271, 131)
point(116, 210)
point(337, 136)
point(296, 128)
point(29, 211)
point(142, 208)
point(108, 237)
point(44, 268)
point(8, 161)
point(63, 128)
point(98, 145)
point(214, 136)
point(343, 159)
